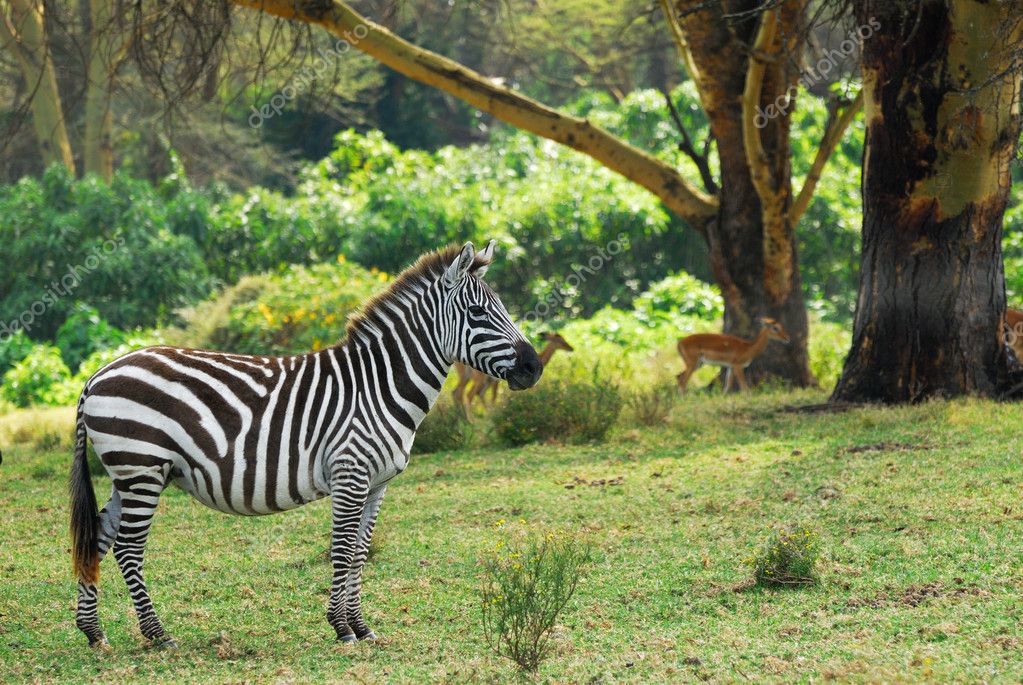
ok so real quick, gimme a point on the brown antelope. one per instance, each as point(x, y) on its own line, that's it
point(1014, 335)
point(728, 351)
point(481, 382)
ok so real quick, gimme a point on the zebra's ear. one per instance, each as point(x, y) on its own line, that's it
point(484, 258)
point(456, 272)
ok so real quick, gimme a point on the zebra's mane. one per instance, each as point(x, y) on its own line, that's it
point(428, 268)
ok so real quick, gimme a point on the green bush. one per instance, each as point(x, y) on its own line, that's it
point(527, 582)
point(679, 293)
point(568, 411)
point(788, 558)
point(40, 378)
point(13, 348)
point(83, 333)
point(445, 428)
point(110, 245)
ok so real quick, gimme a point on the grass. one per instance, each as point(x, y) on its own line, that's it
point(920, 511)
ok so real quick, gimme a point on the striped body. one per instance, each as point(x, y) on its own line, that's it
point(252, 435)
point(255, 435)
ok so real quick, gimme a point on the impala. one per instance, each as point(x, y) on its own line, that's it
point(727, 351)
point(481, 382)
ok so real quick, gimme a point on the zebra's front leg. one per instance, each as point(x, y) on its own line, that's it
point(353, 591)
point(349, 489)
point(86, 617)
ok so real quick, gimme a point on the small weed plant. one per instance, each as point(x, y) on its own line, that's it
point(528, 579)
point(651, 406)
point(789, 558)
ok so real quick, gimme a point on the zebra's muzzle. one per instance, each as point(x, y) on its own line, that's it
point(527, 370)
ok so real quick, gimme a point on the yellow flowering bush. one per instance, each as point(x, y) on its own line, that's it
point(529, 576)
point(299, 309)
point(788, 558)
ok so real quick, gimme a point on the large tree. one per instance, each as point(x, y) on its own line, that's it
point(744, 61)
point(942, 90)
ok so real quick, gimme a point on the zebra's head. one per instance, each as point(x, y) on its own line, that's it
point(481, 333)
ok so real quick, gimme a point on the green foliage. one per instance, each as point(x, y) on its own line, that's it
point(111, 246)
point(559, 410)
point(573, 235)
point(84, 333)
point(13, 348)
point(297, 310)
point(827, 348)
point(445, 429)
point(679, 293)
point(527, 582)
point(39, 378)
point(788, 558)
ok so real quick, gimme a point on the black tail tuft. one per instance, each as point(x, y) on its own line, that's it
point(84, 512)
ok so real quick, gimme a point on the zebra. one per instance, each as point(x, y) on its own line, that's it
point(255, 435)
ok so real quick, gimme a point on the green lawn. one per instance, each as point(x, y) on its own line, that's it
point(920, 511)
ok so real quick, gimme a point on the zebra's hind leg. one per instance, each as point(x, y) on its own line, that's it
point(86, 617)
point(353, 590)
point(139, 496)
point(349, 489)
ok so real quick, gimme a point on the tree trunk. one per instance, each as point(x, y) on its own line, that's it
point(752, 242)
point(23, 33)
point(107, 43)
point(942, 112)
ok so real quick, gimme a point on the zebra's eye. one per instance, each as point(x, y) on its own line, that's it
point(477, 311)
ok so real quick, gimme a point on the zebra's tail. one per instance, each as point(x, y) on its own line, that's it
point(84, 512)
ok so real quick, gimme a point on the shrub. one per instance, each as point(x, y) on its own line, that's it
point(39, 378)
point(298, 310)
point(13, 348)
point(527, 582)
point(444, 429)
point(788, 558)
point(651, 406)
point(571, 411)
point(679, 294)
point(83, 333)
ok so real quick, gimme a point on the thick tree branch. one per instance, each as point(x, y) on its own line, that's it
point(677, 192)
point(833, 134)
point(756, 157)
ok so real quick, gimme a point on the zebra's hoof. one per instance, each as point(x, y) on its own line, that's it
point(165, 642)
point(368, 636)
point(347, 638)
point(101, 645)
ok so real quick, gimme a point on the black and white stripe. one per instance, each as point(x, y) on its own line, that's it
point(256, 435)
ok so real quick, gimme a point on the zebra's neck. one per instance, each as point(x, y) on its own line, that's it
point(400, 350)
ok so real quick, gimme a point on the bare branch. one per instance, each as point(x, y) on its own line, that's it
point(686, 146)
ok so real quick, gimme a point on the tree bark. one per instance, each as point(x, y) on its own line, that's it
point(942, 105)
point(22, 31)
